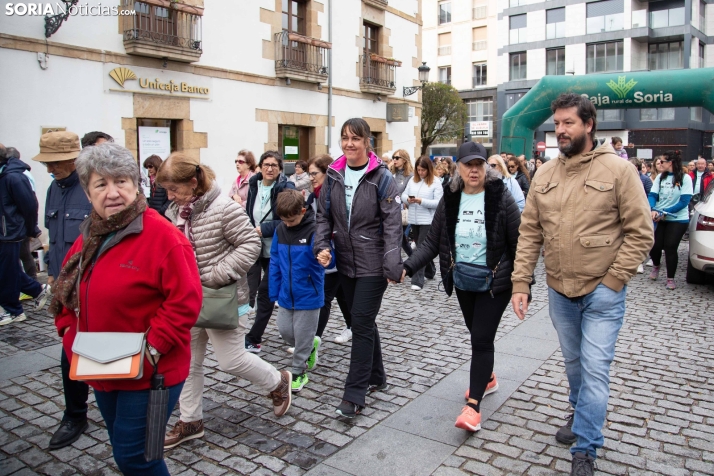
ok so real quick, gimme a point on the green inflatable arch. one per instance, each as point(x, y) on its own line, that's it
point(672, 88)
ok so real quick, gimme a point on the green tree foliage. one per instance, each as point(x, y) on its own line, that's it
point(443, 115)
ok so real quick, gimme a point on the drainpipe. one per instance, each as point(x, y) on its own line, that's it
point(329, 77)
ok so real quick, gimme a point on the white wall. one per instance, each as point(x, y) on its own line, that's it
point(536, 25)
point(575, 24)
point(536, 63)
point(575, 58)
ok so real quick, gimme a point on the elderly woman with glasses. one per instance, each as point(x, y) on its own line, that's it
point(260, 205)
point(498, 166)
point(245, 164)
point(135, 272)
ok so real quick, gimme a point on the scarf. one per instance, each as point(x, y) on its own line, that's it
point(65, 288)
point(183, 222)
point(317, 191)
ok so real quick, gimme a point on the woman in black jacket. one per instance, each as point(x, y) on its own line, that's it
point(476, 222)
point(520, 173)
point(158, 199)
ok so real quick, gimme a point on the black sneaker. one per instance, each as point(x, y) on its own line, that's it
point(583, 465)
point(348, 409)
point(565, 434)
point(378, 388)
point(250, 347)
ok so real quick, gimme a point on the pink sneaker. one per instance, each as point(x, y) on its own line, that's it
point(490, 388)
point(670, 284)
point(655, 273)
point(469, 420)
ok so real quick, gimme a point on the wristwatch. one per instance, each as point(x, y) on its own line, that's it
point(152, 350)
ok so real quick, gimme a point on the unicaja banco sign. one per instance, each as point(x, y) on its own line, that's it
point(622, 89)
point(122, 74)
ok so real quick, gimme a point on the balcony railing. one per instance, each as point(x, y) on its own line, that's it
point(480, 45)
point(162, 29)
point(300, 57)
point(377, 74)
point(445, 50)
point(481, 12)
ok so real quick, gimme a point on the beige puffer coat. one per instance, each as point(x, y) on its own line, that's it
point(225, 243)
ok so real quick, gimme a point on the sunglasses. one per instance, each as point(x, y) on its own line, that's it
point(396, 157)
point(240, 162)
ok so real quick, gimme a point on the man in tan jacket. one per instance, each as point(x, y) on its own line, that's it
point(588, 210)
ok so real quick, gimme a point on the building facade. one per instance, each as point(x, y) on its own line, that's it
point(210, 80)
point(584, 37)
point(461, 48)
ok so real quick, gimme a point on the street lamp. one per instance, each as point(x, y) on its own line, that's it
point(423, 77)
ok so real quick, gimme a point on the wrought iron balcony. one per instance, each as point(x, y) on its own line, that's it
point(377, 74)
point(162, 29)
point(300, 57)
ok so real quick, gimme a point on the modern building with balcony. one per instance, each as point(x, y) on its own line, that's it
point(212, 78)
point(461, 48)
point(586, 37)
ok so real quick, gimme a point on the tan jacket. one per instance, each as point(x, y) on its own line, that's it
point(593, 217)
point(225, 242)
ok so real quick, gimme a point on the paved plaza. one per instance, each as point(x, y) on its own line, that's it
point(660, 419)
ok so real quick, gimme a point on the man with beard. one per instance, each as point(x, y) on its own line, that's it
point(588, 210)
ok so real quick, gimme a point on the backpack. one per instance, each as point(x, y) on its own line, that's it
point(381, 192)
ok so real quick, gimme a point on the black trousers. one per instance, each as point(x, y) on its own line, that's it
point(265, 306)
point(28, 261)
point(482, 314)
point(405, 242)
point(75, 394)
point(333, 290)
point(364, 298)
point(668, 235)
point(420, 233)
point(13, 279)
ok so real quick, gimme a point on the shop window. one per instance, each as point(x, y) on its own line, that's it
point(609, 115)
point(657, 114)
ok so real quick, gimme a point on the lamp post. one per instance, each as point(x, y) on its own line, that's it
point(423, 77)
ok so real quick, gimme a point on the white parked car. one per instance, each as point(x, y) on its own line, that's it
point(701, 239)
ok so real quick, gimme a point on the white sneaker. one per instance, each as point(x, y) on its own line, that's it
point(41, 300)
point(345, 336)
point(291, 350)
point(7, 318)
point(277, 306)
point(413, 245)
point(648, 263)
point(415, 287)
point(640, 269)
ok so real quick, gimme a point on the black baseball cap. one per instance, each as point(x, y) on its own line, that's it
point(470, 151)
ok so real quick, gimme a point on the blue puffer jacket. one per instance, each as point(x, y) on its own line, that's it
point(297, 280)
point(18, 203)
point(65, 209)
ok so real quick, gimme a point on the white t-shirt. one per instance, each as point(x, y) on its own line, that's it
point(698, 182)
point(471, 229)
point(352, 178)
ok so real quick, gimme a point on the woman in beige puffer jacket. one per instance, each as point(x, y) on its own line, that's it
point(226, 246)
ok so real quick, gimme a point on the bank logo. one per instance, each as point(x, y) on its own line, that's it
point(121, 74)
point(621, 88)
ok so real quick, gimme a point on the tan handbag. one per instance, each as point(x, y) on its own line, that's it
point(106, 355)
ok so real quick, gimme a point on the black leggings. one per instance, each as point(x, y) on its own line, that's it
point(668, 235)
point(482, 314)
point(333, 290)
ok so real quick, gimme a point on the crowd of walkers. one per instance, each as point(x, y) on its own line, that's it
point(191, 264)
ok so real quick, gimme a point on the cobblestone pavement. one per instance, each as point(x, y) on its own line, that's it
point(660, 418)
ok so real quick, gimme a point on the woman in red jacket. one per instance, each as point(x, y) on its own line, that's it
point(143, 278)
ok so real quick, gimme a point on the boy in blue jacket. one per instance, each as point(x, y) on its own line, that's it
point(297, 282)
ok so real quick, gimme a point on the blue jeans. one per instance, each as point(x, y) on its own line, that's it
point(587, 329)
point(124, 412)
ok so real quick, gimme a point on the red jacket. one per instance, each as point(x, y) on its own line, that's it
point(706, 179)
point(146, 277)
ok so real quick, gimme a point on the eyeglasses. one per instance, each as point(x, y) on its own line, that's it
point(271, 166)
point(240, 162)
point(314, 174)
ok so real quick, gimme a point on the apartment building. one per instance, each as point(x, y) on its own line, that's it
point(461, 48)
point(212, 79)
point(586, 37)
